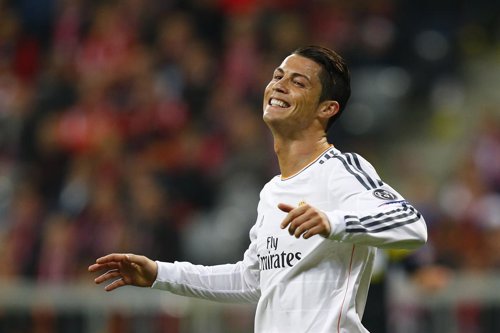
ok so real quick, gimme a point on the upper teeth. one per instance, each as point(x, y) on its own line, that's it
point(277, 102)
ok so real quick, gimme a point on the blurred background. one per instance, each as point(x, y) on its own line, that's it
point(135, 126)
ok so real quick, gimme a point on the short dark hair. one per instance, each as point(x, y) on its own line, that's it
point(335, 77)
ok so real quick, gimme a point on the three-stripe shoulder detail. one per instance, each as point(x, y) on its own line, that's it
point(352, 164)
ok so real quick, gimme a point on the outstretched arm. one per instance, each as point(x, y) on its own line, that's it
point(231, 282)
point(125, 269)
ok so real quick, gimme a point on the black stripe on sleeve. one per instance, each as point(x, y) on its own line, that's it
point(353, 172)
point(358, 165)
point(382, 221)
point(387, 227)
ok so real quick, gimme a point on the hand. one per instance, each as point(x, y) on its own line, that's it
point(125, 269)
point(305, 221)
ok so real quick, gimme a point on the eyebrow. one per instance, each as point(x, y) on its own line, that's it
point(294, 74)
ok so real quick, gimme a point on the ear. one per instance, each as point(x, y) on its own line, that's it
point(328, 109)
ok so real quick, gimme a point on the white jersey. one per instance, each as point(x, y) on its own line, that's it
point(317, 284)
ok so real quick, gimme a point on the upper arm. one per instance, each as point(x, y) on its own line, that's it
point(369, 211)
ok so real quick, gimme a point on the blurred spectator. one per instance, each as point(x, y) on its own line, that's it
point(135, 125)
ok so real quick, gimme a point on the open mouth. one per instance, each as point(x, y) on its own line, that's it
point(278, 103)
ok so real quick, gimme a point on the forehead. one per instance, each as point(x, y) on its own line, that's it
point(295, 63)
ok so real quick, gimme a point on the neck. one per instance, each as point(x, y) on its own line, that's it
point(295, 155)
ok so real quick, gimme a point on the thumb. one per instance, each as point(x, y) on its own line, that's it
point(285, 207)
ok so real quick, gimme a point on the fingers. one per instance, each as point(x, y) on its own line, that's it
point(302, 229)
point(124, 269)
point(111, 274)
point(285, 207)
point(316, 230)
point(111, 263)
point(113, 260)
point(113, 257)
point(293, 213)
point(100, 267)
point(115, 284)
point(305, 221)
point(303, 224)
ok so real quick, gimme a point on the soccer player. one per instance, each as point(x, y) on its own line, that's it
point(319, 222)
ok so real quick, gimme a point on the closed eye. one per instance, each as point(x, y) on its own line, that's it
point(277, 74)
point(299, 84)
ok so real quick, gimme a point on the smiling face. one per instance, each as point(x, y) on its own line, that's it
point(292, 97)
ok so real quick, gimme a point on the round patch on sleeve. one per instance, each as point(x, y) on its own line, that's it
point(384, 194)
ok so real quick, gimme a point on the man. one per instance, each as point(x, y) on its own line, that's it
point(309, 263)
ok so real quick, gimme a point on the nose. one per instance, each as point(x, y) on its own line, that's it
point(280, 86)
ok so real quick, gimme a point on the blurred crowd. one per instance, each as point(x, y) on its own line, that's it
point(136, 125)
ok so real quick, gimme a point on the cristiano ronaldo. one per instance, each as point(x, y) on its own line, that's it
point(319, 222)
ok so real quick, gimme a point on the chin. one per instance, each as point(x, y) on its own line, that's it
point(266, 117)
point(270, 119)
